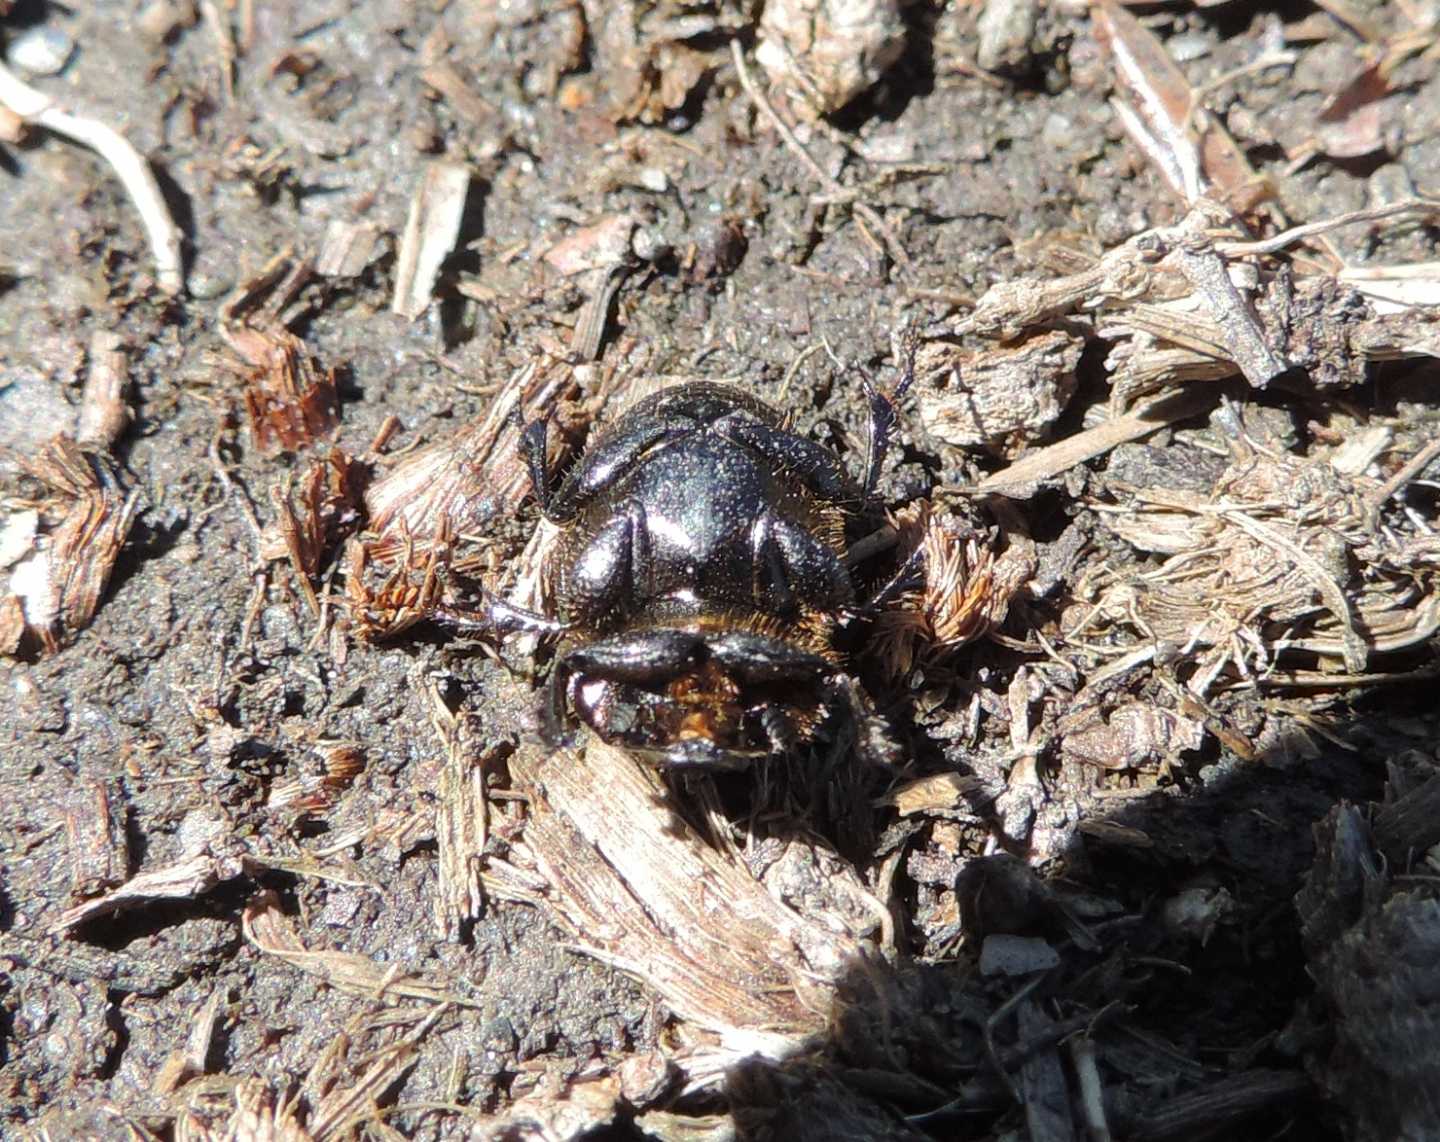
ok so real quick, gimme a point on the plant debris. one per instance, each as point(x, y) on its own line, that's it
point(61, 548)
point(1147, 588)
point(436, 212)
point(828, 53)
point(967, 591)
point(290, 400)
point(267, 928)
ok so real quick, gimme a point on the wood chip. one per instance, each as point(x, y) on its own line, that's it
point(95, 833)
point(461, 823)
point(1007, 395)
point(940, 792)
point(1191, 149)
point(640, 890)
point(185, 880)
point(346, 249)
point(431, 232)
point(104, 415)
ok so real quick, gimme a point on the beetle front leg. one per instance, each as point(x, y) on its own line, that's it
point(534, 446)
point(496, 616)
point(882, 413)
point(787, 563)
point(613, 569)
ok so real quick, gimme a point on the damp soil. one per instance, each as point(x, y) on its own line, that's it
point(324, 118)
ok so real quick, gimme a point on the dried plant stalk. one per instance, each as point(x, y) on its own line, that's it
point(967, 592)
point(185, 880)
point(422, 508)
point(466, 480)
point(1190, 149)
point(392, 584)
point(267, 928)
point(244, 1111)
point(104, 415)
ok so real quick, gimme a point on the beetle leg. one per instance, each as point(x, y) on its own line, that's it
point(610, 459)
point(882, 415)
point(911, 574)
point(770, 582)
point(533, 446)
point(553, 711)
point(790, 563)
point(757, 659)
point(640, 657)
point(497, 616)
point(815, 465)
point(615, 566)
point(701, 753)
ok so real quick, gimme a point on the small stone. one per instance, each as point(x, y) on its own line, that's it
point(1003, 954)
point(1389, 184)
point(644, 1078)
point(1196, 911)
point(1006, 29)
point(41, 51)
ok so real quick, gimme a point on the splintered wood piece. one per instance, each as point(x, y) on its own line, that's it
point(461, 822)
point(1191, 150)
point(103, 412)
point(289, 399)
point(642, 891)
point(59, 583)
point(1243, 335)
point(95, 831)
point(431, 232)
point(194, 876)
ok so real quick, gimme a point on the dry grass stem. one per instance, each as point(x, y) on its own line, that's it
point(130, 168)
point(271, 932)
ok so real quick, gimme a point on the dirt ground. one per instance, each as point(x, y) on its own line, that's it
point(200, 688)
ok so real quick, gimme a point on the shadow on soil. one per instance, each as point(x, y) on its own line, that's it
point(1178, 977)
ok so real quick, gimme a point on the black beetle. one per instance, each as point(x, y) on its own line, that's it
point(698, 577)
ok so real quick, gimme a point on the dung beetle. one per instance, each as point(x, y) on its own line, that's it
point(698, 577)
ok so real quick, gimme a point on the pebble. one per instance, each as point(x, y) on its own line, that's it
point(1006, 29)
point(41, 51)
point(1003, 954)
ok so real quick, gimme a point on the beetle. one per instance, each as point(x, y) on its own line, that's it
point(698, 577)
